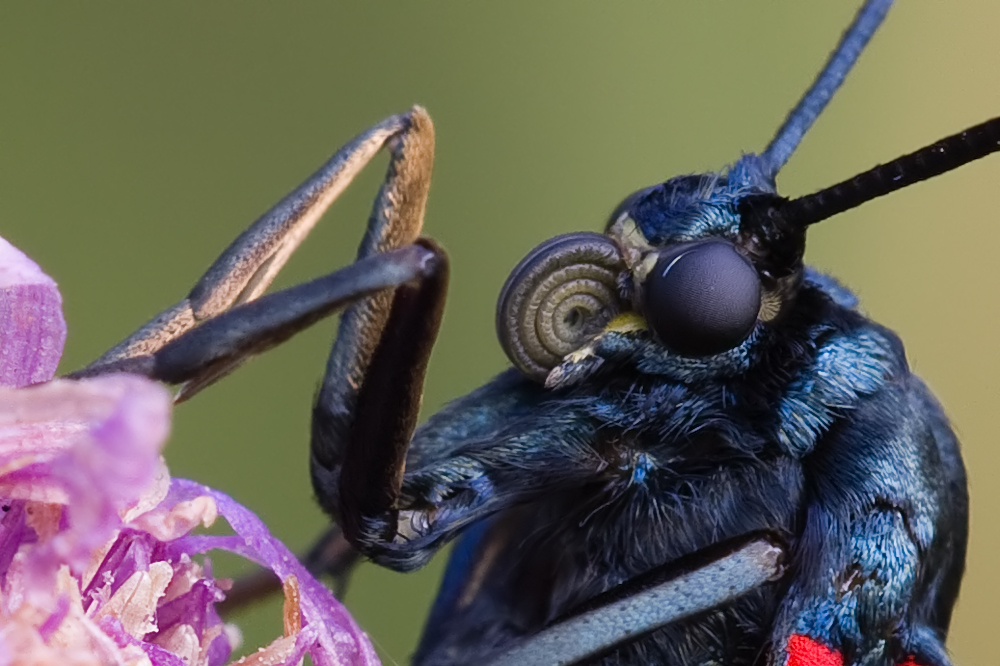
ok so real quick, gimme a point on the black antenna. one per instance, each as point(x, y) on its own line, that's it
point(933, 160)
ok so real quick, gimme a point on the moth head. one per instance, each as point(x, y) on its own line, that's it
point(671, 267)
point(699, 264)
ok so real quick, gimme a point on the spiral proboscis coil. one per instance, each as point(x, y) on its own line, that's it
point(558, 297)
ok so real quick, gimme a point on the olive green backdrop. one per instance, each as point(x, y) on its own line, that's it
point(136, 140)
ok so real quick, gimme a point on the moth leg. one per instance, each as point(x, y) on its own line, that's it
point(411, 513)
point(207, 352)
point(358, 474)
point(366, 408)
point(330, 556)
point(246, 268)
point(651, 601)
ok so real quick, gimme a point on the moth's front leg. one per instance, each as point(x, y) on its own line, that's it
point(522, 457)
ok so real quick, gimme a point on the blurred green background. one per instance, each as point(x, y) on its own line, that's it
point(137, 139)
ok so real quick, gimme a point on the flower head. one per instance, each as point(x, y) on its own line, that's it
point(97, 560)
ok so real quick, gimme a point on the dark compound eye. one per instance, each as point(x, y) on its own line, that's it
point(702, 298)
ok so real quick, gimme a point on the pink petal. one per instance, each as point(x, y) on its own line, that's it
point(32, 328)
point(92, 445)
point(334, 638)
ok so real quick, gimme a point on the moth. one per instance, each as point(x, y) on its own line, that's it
point(624, 382)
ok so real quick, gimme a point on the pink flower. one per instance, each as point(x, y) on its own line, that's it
point(97, 563)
